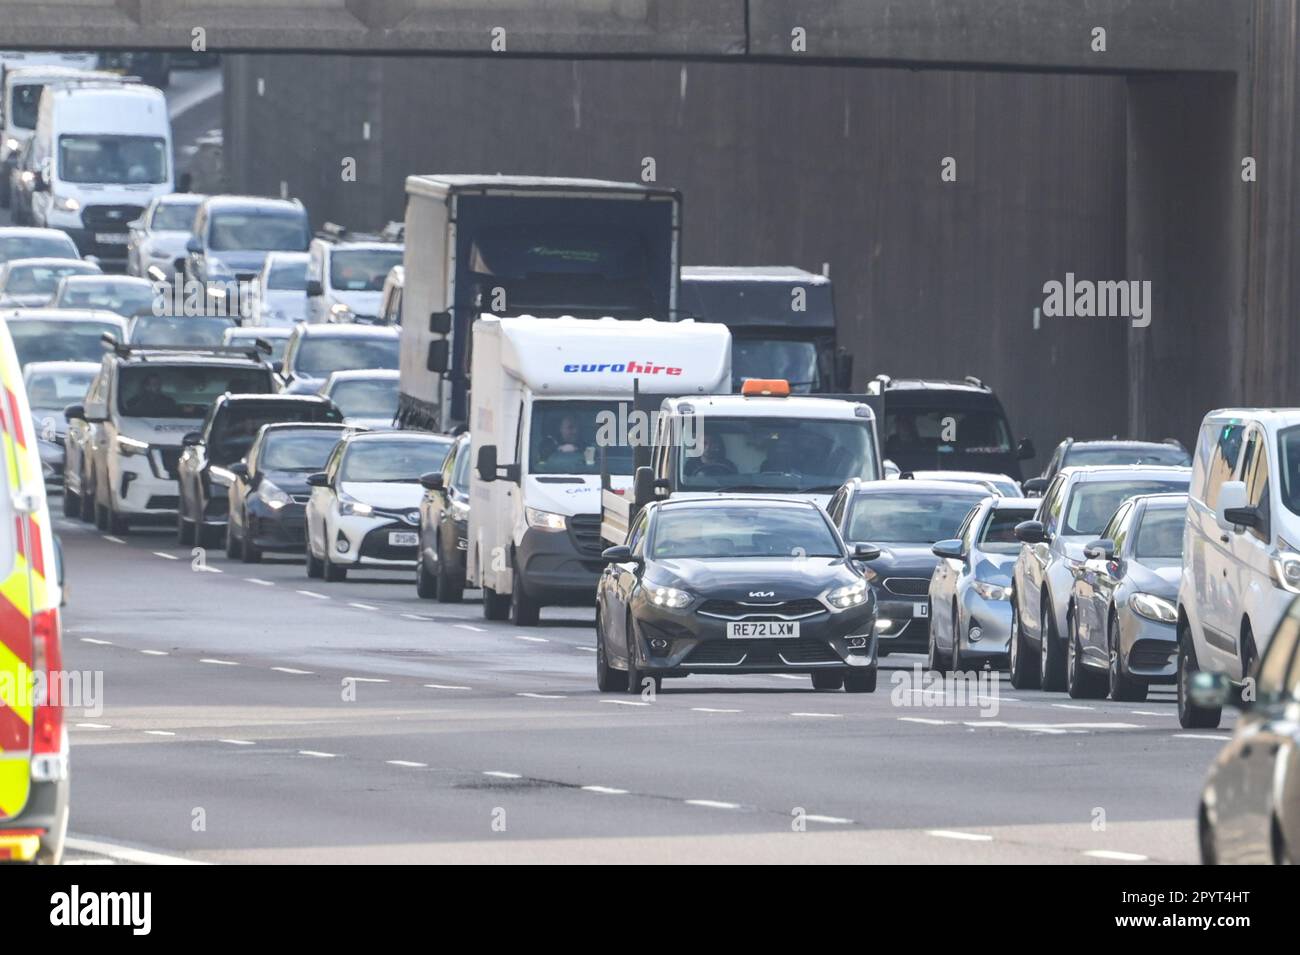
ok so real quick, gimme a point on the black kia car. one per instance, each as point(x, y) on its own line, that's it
point(727, 585)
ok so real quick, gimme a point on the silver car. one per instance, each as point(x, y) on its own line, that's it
point(157, 239)
point(970, 609)
point(1250, 806)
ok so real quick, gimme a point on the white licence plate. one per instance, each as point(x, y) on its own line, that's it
point(921, 610)
point(758, 630)
point(403, 539)
point(110, 238)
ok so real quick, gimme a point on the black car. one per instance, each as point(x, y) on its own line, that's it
point(444, 527)
point(721, 585)
point(268, 496)
point(901, 521)
point(225, 437)
point(1070, 453)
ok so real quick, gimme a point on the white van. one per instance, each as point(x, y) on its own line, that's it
point(102, 152)
point(1241, 546)
point(540, 417)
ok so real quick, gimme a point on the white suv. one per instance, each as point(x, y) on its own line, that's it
point(1241, 546)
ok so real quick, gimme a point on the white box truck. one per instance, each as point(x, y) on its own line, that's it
point(546, 392)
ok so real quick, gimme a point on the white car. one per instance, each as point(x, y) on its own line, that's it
point(157, 239)
point(367, 398)
point(1241, 547)
point(279, 295)
point(364, 508)
point(345, 279)
point(1000, 484)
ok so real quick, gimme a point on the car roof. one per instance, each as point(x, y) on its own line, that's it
point(181, 199)
point(288, 257)
point(86, 278)
point(252, 202)
point(1086, 472)
point(793, 406)
point(142, 355)
point(50, 260)
point(1123, 443)
point(962, 476)
point(909, 484)
point(751, 273)
point(1277, 417)
point(974, 386)
point(62, 315)
point(330, 330)
point(1168, 499)
point(52, 367)
point(311, 425)
point(343, 245)
point(399, 436)
point(363, 374)
point(272, 398)
point(758, 502)
point(35, 232)
point(258, 331)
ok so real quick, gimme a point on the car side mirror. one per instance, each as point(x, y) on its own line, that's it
point(1031, 532)
point(951, 549)
point(191, 440)
point(319, 479)
point(1100, 550)
point(1025, 449)
point(135, 224)
point(1243, 517)
point(432, 481)
point(193, 246)
point(618, 554)
point(239, 469)
point(863, 551)
point(1232, 498)
point(314, 288)
point(1034, 486)
point(277, 366)
point(74, 413)
point(1212, 690)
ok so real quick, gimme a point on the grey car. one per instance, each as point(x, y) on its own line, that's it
point(1122, 616)
point(1250, 805)
point(970, 606)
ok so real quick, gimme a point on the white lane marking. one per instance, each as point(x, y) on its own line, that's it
point(712, 804)
point(365, 679)
point(1146, 713)
point(98, 643)
point(937, 693)
point(1053, 728)
point(926, 720)
point(713, 709)
point(1072, 706)
point(220, 663)
point(154, 653)
point(316, 753)
point(1115, 855)
point(115, 540)
point(209, 569)
point(92, 726)
point(833, 820)
point(361, 606)
point(413, 616)
point(520, 636)
point(962, 836)
point(1201, 736)
point(496, 773)
point(543, 696)
point(586, 649)
point(818, 715)
point(159, 733)
point(626, 702)
point(445, 686)
point(605, 790)
point(164, 555)
point(260, 582)
point(312, 593)
point(237, 742)
point(292, 671)
point(407, 763)
point(467, 626)
point(126, 853)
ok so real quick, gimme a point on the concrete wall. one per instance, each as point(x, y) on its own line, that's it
point(778, 164)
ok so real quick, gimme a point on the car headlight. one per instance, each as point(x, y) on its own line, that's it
point(13, 145)
point(1154, 608)
point(543, 520)
point(350, 508)
point(852, 595)
point(459, 511)
point(669, 597)
point(130, 446)
point(990, 591)
point(340, 312)
point(1286, 570)
point(65, 203)
point(274, 497)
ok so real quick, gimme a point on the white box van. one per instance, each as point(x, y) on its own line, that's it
point(1241, 546)
point(542, 388)
point(102, 152)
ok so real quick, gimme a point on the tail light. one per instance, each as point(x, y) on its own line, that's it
point(47, 659)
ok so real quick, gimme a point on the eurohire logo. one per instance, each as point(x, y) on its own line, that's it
point(623, 368)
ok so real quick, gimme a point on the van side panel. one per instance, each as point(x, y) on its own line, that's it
point(426, 291)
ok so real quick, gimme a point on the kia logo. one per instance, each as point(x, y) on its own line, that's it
point(762, 593)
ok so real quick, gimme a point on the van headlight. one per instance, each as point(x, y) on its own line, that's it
point(543, 520)
point(1286, 570)
point(669, 597)
point(65, 203)
point(990, 591)
point(1154, 608)
point(340, 312)
point(129, 447)
point(852, 595)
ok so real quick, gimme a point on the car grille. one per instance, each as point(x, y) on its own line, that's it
point(779, 610)
point(375, 544)
point(907, 586)
point(768, 653)
point(109, 218)
point(585, 531)
point(300, 498)
point(162, 502)
point(169, 458)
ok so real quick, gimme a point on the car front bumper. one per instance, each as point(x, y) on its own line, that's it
point(993, 620)
point(1148, 648)
point(553, 569)
point(901, 626)
point(368, 543)
point(138, 489)
point(276, 529)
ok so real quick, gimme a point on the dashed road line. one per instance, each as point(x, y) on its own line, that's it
point(365, 679)
point(92, 726)
point(154, 653)
point(291, 671)
point(1115, 855)
point(925, 720)
point(98, 643)
point(159, 733)
point(361, 606)
point(312, 593)
point(220, 663)
point(237, 742)
point(818, 715)
point(407, 763)
point(468, 626)
point(712, 804)
point(110, 537)
point(714, 709)
point(543, 696)
point(414, 616)
point(961, 836)
point(498, 774)
point(260, 582)
point(164, 555)
point(831, 820)
point(626, 702)
point(605, 790)
point(446, 686)
point(316, 754)
point(1216, 738)
point(520, 636)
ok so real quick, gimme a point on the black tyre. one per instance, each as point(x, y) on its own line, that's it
point(233, 549)
point(1191, 716)
point(1051, 657)
point(209, 535)
point(101, 517)
point(451, 586)
point(827, 679)
point(332, 572)
point(1023, 663)
point(524, 610)
point(495, 606)
point(184, 531)
point(636, 677)
point(314, 566)
point(860, 680)
point(87, 502)
point(1122, 687)
point(426, 584)
point(608, 679)
point(954, 658)
point(1205, 837)
point(71, 503)
point(249, 552)
point(934, 660)
point(1081, 682)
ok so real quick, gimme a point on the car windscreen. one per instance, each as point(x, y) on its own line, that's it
point(36, 247)
point(998, 535)
point(1092, 503)
point(41, 279)
point(23, 101)
point(796, 362)
point(57, 389)
point(37, 340)
point(320, 355)
point(460, 471)
point(102, 158)
point(1288, 448)
point(197, 331)
point(235, 426)
point(287, 277)
point(741, 531)
point(257, 231)
point(907, 516)
point(565, 437)
point(362, 270)
point(781, 455)
point(124, 298)
point(366, 398)
point(1160, 534)
point(173, 217)
point(398, 461)
point(930, 433)
point(1168, 455)
point(184, 391)
point(290, 450)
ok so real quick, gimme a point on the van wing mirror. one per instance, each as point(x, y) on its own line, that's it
point(439, 352)
point(314, 288)
point(1025, 449)
point(440, 323)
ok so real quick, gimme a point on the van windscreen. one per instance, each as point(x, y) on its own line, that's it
point(101, 158)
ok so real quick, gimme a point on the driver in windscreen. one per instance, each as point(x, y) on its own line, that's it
point(150, 401)
point(567, 441)
point(713, 458)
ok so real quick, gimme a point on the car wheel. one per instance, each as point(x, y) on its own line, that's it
point(314, 566)
point(607, 678)
point(827, 679)
point(331, 571)
point(210, 536)
point(233, 549)
point(184, 530)
point(934, 660)
point(1205, 837)
point(1080, 681)
point(249, 552)
point(1023, 666)
point(1191, 716)
point(955, 657)
point(426, 584)
point(101, 517)
point(636, 677)
point(860, 679)
point(87, 501)
point(495, 606)
point(1123, 688)
point(451, 586)
point(71, 503)
point(1051, 655)
point(524, 610)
